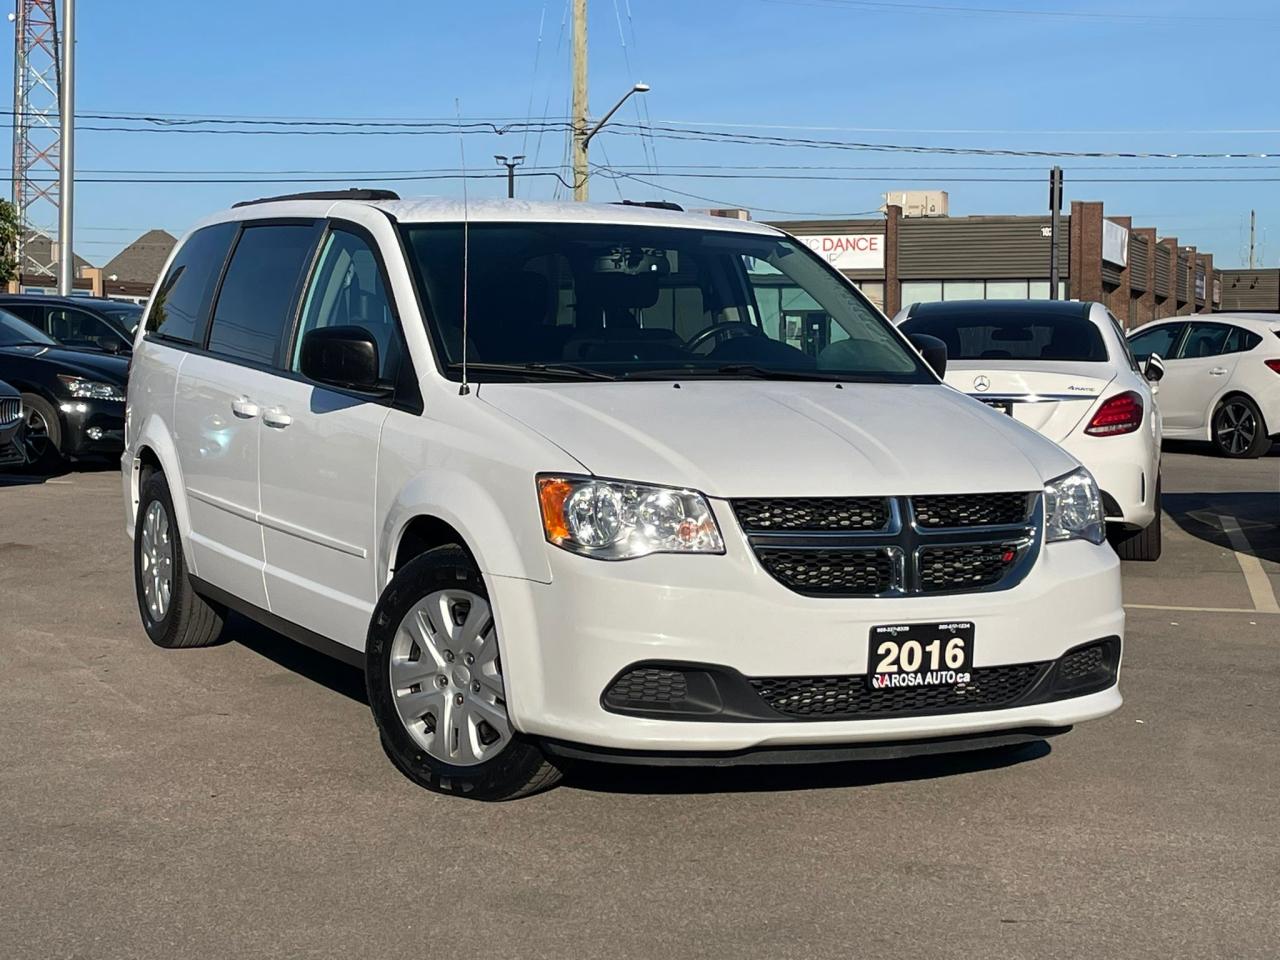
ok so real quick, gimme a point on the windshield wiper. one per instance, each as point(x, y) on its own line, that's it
point(551, 371)
point(727, 370)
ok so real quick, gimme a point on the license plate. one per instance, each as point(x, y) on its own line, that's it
point(920, 655)
point(1004, 406)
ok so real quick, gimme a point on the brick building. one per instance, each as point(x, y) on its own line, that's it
point(1139, 274)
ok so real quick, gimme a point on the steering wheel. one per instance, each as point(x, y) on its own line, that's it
point(723, 329)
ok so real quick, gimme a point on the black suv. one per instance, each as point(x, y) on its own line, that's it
point(93, 322)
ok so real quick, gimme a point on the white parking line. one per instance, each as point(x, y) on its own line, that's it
point(1161, 606)
point(1264, 597)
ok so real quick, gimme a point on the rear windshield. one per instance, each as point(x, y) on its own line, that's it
point(1029, 338)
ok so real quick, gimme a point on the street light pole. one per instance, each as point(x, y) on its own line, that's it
point(511, 164)
point(67, 164)
point(581, 141)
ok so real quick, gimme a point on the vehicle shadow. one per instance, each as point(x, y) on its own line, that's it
point(1257, 514)
point(1205, 449)
point(315, 666)
point(616, 778)
point(21, 477)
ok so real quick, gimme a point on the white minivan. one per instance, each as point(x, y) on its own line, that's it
point(612, 482)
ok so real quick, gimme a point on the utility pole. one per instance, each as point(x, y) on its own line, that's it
point(511, 164)
point(1252, 218)
point(1055, 227)
point(580, 108)
point(66, 172)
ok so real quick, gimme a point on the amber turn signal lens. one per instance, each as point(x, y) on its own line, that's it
point(552, 493)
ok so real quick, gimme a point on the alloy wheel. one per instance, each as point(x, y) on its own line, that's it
point(156, 552)
point(34, 437)
point(446, 678)
point(1235, 428)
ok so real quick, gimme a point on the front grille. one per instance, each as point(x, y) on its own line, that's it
point(812, 513)
point(10, 410)
point(846, 573)
point(963, 568)
point(873, 546)
point(972, 509)
point(648, 685)
point(849, 697)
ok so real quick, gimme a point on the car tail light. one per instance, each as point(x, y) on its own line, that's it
point(1273, 364)
point(1120, 414)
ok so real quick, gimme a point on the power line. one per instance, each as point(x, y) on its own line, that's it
point(895, 6)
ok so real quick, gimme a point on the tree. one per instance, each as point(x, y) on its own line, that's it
point(9, 228)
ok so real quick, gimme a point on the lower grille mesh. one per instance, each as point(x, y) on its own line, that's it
point(847, 697)
point(648, 685)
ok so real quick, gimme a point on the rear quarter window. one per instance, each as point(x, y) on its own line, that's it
point(181, 304)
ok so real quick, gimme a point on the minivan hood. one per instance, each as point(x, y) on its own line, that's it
point(764, 439)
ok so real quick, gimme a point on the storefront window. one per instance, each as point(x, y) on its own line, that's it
point(921, 291)
point(874, 289)
point(962, 290)
point(1009, 289)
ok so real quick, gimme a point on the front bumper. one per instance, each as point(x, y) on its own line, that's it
point(564, 642)
point(92, 428)
point(10, 455)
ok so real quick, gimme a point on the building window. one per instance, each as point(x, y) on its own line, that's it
point(963, 290)
point(874, 290)
point(921, 291)
point(1009, 290)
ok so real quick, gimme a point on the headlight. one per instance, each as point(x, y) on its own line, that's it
point(1073, 508)
point(90, 389)
point(613, 520)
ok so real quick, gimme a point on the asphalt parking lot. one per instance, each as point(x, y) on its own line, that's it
point(233, 801)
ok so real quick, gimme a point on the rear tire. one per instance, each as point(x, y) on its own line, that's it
point(1238, 430)
point(435, 683)
point(173, 614)
point(1144, 544)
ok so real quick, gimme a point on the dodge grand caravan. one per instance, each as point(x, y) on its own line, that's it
point(601, 481)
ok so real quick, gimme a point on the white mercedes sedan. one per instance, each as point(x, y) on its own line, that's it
point(1064, 368)
point(1222, 378)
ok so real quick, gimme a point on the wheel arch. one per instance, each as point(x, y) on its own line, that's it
point(154, 450)
point(449, 507)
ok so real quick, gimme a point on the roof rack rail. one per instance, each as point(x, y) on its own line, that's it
point(353, 193)
point(655, 204)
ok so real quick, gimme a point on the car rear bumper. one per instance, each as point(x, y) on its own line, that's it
point(1126, 468)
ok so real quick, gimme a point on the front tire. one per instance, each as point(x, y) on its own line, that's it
point(1239, 432)
point(1143, 545)
point(434, 674)
point(173, 614)
point(40, 437)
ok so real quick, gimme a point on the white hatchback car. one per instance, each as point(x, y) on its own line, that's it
point(1222, 378)
point(578, 481)
point(1064, 368)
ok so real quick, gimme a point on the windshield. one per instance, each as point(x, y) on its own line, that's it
point(14, 331)
point(124, 318)
point(975, 335)
point(613, 301)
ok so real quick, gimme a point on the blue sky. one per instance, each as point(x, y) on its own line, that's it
point(1122, 75)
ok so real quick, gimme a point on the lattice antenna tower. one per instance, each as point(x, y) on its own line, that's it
point(37, 141)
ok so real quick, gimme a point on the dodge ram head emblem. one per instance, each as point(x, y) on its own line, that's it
point(981, 383)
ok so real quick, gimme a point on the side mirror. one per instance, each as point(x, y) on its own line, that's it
point(933, 350)
point(1153, 369)
point(344, 357)
point(110, 345)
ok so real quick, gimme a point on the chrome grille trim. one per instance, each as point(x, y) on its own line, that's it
point(10, 410)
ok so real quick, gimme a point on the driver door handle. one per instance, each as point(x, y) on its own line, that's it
point(276, 417)
point(1218, 372)
point(244, 408)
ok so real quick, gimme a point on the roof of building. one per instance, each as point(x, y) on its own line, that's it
point(142, 260)
point(38, 248)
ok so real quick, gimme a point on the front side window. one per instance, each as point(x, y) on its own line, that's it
point(182, 300)
point(1204, 340)
point(15, 331)
point(638, 301)
point(258, 293)
point(79, 328)
point(1159, 340)
point(348, 289)
point(980, 334)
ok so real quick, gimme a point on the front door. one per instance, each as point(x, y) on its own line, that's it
point(320, 454)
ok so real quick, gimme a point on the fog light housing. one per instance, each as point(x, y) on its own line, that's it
point(94, 433)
